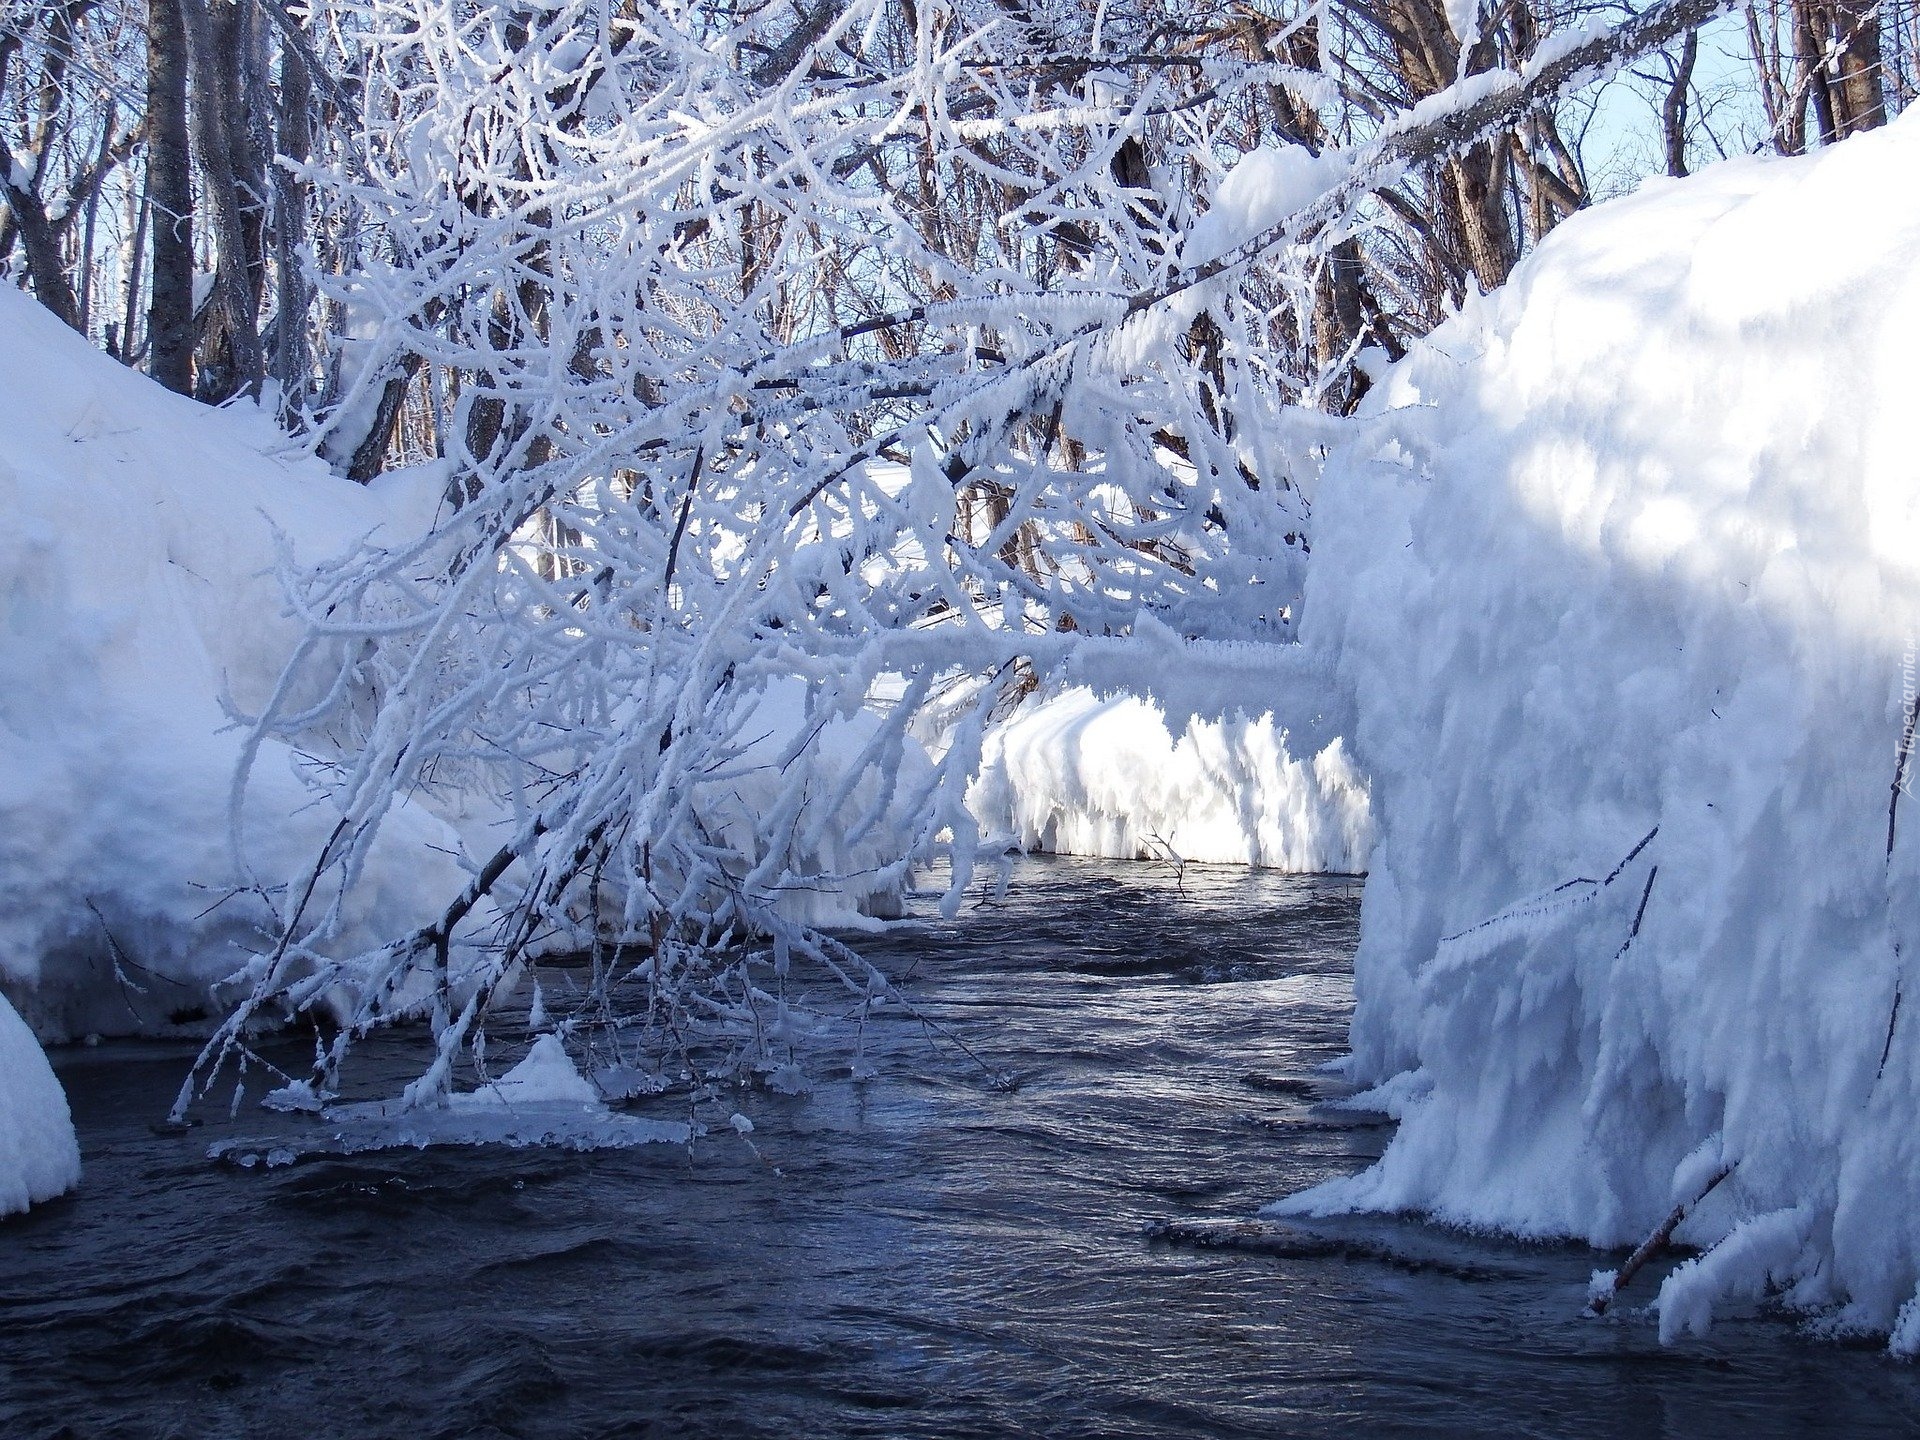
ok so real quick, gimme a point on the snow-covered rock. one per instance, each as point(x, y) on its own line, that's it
point(1632, 549)
point(39, 1157)
point(138, 531)
point(1075, 774)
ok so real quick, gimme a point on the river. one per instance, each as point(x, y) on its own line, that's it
point(918, 1253)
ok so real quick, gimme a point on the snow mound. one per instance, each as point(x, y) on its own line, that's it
point(546, 1077)
point(39, 1156)
point(1624, 572)
point(542, 1101)
point(1075, 774)
point(138, 532)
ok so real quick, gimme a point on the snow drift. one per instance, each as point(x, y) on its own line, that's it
point(39, 1156)
point(138, 536)
point(1075, 774)
point(1623, 576)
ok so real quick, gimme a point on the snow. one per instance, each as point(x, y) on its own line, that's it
point(1463, 18)
point(137, 540)
point(39, 1156)
point(1264, 187)
point(1076, 774)
point(1627, 551)
point(546, 1077)
point(839, 873)
point(1758, 1251)
point(542, 1101)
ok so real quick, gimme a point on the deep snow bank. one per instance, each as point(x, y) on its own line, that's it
point(39, 1156)
point(137, 537)
point(1075, 774)
point(1630, 550)
point(849, 822)
point(139, 534)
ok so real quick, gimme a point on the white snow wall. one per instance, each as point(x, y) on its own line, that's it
point(1635, 543)
point(1073, 773)
point(39, 1156)
point(138, 536)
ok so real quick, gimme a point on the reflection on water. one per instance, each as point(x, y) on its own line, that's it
point(914, 1254)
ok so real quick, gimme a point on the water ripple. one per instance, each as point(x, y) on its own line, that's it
point(916, 1254)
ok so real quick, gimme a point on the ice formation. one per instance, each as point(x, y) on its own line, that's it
point(868, 880)
point(1076, 774)
point(138, 548)
point(543, 1100)
point(139, 538)
point(1622, 572)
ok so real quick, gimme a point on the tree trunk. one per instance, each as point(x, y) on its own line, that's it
point(22, 177)
point(237, 39)
point(1673, 112)
point(291, 366)
point(232, 360)
point(1476, 180)
point(170, 198)
point(1859, 102)
point(44, 262)
point(1838, 44)
point(370, 454)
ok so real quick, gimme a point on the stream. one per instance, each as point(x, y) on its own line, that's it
point(917, 1253)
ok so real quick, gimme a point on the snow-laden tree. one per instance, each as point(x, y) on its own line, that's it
point(808, 375)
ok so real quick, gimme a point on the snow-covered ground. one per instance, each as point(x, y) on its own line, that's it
point(1077, 774)
point(138, 535)
point(1624, 575)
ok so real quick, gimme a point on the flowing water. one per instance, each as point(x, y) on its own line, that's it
point(919, 1253)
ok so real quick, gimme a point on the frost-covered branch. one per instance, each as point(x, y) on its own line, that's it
point(788, 399)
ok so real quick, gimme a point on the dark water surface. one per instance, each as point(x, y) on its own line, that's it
point(916, 1254)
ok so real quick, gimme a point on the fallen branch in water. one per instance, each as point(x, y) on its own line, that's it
point(1609, 1283)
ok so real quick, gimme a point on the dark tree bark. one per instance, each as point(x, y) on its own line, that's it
point(290, 359)
point(231, 357)
point(1673, 111)
point(170, 199)
point(370, 453)
point(1859, 79)
point(1474, 188)
point(45, 264)
point(1843, 37)
point(1838, 45)
point(237, 34)
point(21, 177)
